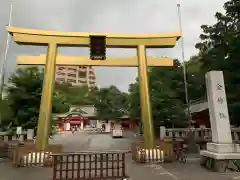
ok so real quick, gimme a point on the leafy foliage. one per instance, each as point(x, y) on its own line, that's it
point(24, 96)
point(6, 113)
point(111, 103)
point(219, 50)
point(75, 95)
point(167, 96)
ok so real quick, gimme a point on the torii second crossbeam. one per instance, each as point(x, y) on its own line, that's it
point(86, 61)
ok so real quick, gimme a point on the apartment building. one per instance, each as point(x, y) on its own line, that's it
point(76, 75)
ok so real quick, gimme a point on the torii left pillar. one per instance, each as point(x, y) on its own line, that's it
point(44, 124)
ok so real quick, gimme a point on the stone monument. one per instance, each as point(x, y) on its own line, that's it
point(221, 149)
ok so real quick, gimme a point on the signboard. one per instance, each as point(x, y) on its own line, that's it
point(97, 47)
point(19, 130)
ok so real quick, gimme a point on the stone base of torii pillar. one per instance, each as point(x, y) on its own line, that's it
point(221, 153)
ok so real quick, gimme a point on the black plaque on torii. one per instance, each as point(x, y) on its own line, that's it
point(97, 47)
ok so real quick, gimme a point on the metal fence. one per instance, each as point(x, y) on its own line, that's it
point(89, 166)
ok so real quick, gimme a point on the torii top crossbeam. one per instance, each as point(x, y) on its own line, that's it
point(32, 36)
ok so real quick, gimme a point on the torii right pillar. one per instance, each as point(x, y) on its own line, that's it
point(146, 109)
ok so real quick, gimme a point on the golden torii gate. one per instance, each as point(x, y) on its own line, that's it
point(52, 39)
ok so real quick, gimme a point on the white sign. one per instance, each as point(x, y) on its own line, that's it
point(19, 130)
point(68, 127)
point(30, 134)
point(218, 110)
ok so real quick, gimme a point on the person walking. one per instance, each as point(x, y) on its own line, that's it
point(73, 130)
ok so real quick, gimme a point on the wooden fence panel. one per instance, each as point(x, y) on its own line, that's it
point(89, 166)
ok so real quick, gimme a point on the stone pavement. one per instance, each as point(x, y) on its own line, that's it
point(192, 171)
point(100, 142)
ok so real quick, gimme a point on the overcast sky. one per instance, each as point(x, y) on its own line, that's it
point(123, 16)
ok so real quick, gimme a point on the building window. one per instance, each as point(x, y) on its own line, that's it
point(60, 73)
point(82, 74)
point(82, 82)
point(92, 77)
point(71, 81)
point(61, 68)
point(60, 79)
point(72, 75)
point(91, 72)
point(72, 69)
point(82, 67)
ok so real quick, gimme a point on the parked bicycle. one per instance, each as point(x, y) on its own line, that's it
point(180, 154)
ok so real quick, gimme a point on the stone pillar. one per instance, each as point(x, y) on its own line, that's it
point(30, 134)
point(108, 127)
point(14, 138)
point(99, 124)
point(162, 132)
point(21, 137)
point(5, 138)
point(221, 148)
point(218, 110)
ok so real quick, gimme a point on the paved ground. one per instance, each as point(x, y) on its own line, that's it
point(83, 141)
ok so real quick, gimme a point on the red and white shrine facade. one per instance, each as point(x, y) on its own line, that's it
point(78, 117)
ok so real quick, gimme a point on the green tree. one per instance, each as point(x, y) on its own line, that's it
point(219, 50)
point(167, 93)
point(5, 113)
point(75, 95)
point(134, 100)
point(24, 96)
point(59, 102)
point(111, 103)
point(195, 79)
point(24, 93)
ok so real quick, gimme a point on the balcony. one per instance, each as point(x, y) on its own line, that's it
point(60, 79)
point(61, 73)
point(91, 72)
point(82, 82)
point(61, 68)
point(71, 81)
point(72, 69)
point(72, 75)
point(92, 77)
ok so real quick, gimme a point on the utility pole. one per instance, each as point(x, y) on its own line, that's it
point(192, 148)
point(2, 72)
